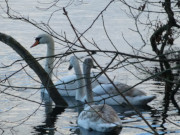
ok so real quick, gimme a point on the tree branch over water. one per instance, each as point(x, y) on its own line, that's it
point(158, 32)
point(103, 70)
point(34, 65)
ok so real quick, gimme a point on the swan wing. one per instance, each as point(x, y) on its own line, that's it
point(118, 100)
point(121, 88)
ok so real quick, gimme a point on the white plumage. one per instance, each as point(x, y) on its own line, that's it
point(66, 86)
point(101, 117)
point(107, 93)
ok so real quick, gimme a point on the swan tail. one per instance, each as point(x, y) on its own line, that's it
point(145, 99)
point(150, 98)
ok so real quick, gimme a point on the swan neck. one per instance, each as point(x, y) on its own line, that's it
point(80, 92)
point(88, 82)
point(50, 60)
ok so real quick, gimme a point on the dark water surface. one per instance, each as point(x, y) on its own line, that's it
point(132, 123)
point(21, 109)
point(24, 117)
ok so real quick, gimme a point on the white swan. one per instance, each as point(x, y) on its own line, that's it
point(100, 118)
point(66, 86)
point(107, 93)
point(112, 96)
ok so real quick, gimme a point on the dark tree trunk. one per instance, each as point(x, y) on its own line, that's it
point(34, 65)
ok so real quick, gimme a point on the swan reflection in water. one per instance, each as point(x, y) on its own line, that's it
point(53, 113)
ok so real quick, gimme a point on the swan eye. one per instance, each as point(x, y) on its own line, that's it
point(38, 38)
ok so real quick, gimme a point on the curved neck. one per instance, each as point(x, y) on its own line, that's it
point(89, 95)
point(49, 60)
point(81, 91)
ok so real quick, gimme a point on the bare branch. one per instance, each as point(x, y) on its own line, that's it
point(44, 77)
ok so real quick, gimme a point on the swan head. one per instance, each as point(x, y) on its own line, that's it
point(88, 63)
point(43, 39)
point(73, 61)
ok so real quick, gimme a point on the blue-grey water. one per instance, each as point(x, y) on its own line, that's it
point(21, 109)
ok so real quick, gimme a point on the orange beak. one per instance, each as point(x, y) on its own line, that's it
point(35, 44)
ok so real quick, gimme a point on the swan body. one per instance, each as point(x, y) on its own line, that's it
point(107, 93)
point(101, 117)
point(66, 86)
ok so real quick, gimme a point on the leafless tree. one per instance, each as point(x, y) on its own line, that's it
point(161, 33)
point(164, 28)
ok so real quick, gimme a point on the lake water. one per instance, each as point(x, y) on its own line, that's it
point(20, 116)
